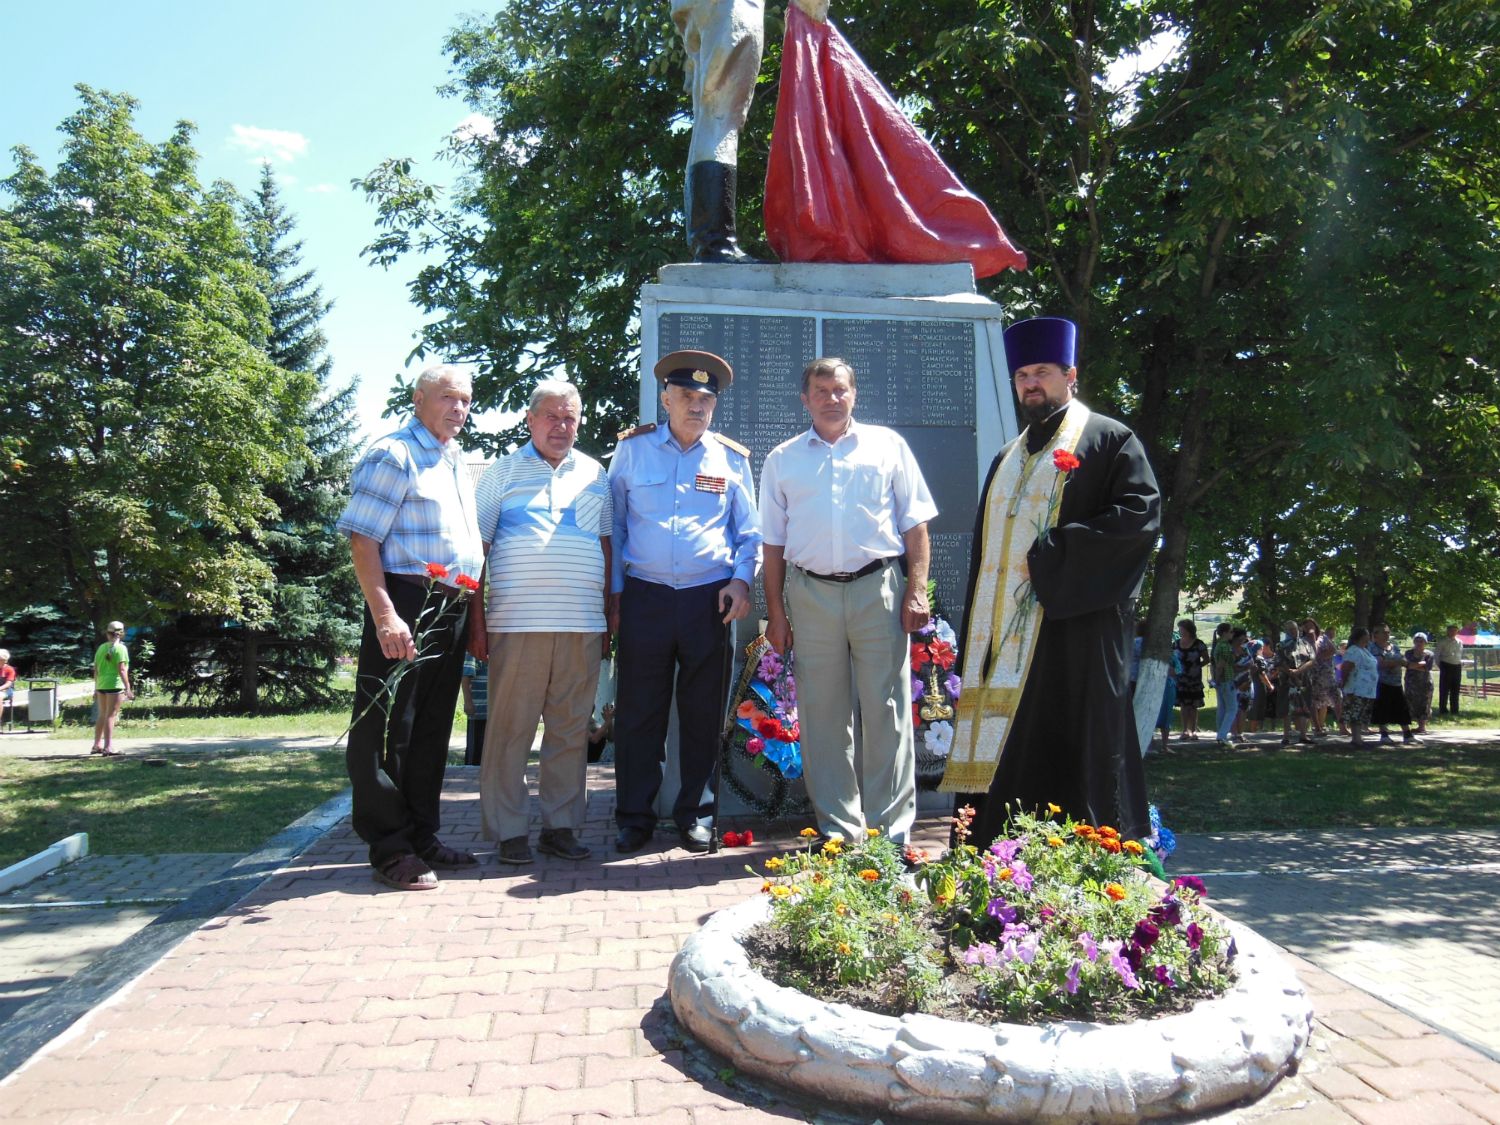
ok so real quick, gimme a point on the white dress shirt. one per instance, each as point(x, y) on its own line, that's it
point(836, 507)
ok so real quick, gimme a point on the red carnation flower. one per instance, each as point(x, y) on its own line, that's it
point(942, 654)
point(747, 837)
point(464, 582)
point(768, 728)
point(731, 839)
point(437, 570)
point(1065, 461)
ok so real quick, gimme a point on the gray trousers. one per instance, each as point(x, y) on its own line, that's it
point(723, 40)
point(849, 644)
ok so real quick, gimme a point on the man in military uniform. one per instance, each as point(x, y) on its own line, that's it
point(686, 548)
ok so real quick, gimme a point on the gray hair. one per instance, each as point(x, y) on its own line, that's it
point(441, 373)
point(5, 654)
point(554, 388)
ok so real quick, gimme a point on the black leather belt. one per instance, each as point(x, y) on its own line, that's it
point(848, 575)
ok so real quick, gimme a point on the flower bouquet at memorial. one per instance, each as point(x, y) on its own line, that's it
point(1056, 919)
point(762, 731)
point(383, 689)
point(935, 687)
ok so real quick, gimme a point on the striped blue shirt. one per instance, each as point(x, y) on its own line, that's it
point(413, 496)
point(547, 531)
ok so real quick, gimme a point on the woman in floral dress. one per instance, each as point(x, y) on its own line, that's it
point(1324, 689)
point(1418, 682)
point(1194, 655)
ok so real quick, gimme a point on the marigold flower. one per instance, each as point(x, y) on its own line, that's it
point(843, 948)
point(833, 846)
point(1052, 809)
point(1054, 841)
point(437, 570)
point(1133, 847)
point(781, 891)
point(808, 833)
point(872, 832)
point(891, 918)
point(1110, 845)
point(1109, 833)
point(1083, 830)
point(775, 863)
point(765, 888)
point(818, 877)
point(869, 875)
point(1114, 891)
point(841, 910)
point(1004, 874)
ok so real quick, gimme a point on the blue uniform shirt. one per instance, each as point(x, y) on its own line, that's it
point(682, 517)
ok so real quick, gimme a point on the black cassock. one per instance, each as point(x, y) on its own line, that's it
point(1072, 741)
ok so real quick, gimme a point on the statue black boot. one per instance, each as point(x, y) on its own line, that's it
point(710, 220)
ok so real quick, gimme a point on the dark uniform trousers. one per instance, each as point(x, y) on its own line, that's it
point(1450, 679)
point(397, 774)
point(668, 634)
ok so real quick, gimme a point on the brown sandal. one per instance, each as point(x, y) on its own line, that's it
point(406, 873)
point(440, 855)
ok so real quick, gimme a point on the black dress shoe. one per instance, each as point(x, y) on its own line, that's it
point(695, 838)
point(632, 838)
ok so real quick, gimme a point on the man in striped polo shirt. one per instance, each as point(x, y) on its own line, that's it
point(545, 517)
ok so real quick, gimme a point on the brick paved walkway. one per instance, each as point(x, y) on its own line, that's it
point(538, 994)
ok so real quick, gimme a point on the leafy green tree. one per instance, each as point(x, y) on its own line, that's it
point(289, 660)
point(147, 426)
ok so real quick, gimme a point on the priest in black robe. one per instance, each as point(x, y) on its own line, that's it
point(1067, 521)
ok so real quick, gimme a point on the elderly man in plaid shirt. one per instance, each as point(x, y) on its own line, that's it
point(411, 523)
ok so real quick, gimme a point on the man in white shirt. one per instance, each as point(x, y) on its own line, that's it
point(1450, 657)
point(545, 516)
point(840, 505)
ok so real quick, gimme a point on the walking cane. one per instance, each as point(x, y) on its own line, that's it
point(725, 667)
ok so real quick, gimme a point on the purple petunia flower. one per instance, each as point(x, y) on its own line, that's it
point(1232, 952)
point(1021, 876)
point(981, 953)
point(1168, 912)
point(1089, 946)
point(1121, 965)
point(917, 687)
point(1074, 971)
point(1191, 883)
point(953, 685)
point(999, 909)
point(1146, 933)
point(1194, 935)
point(1005, 850)
point(1164, 976)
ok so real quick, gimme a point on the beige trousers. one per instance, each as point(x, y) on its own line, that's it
point(848, 644)
point(549, 677)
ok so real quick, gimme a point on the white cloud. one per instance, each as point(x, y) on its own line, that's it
point(475, 127)
point(321, 189)
point(268, 144)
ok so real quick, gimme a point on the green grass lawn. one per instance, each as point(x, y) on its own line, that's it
point(1202, 789)
point(150, 717)
point(198, 802)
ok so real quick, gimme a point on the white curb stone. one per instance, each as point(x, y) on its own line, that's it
point(1224, 1050)
point(66, 850)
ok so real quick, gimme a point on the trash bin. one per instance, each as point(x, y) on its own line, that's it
point(41, 703)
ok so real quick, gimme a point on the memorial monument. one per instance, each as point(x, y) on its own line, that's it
point(880, 244)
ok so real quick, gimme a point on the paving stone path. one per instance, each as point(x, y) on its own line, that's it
point(538, 995)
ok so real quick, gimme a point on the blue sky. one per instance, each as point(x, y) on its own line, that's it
point(324, 90)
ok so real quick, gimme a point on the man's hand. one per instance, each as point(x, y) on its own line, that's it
point(816, 10)
point(395, 638)
point(915, 612)
point(779, 633)
point(612, 613)
point(479, 640)
point(735, 597)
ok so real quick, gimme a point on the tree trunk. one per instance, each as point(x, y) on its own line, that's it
point(250, 672)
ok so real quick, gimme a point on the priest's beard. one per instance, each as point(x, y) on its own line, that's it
point(1035, 413)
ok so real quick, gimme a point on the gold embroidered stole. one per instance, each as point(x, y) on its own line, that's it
point(1004, 618)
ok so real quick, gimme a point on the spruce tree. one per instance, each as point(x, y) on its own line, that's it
point(289, 660)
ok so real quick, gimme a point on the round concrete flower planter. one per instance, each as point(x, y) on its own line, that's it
point(1224, 1050)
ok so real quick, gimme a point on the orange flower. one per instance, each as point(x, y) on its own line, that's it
point(1109, 833)
point(1054, 841)
point(1004, 874)
point(1084, 831)
point(808, 833)
point(1133, 847)
point(464, 582)
point(1111, 846)
point(1114, 891)
point(1052, 809)
point(747, 710)
point(437, 570)
point(869, 875)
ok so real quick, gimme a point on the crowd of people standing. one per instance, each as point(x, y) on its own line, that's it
point(1307, 682)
